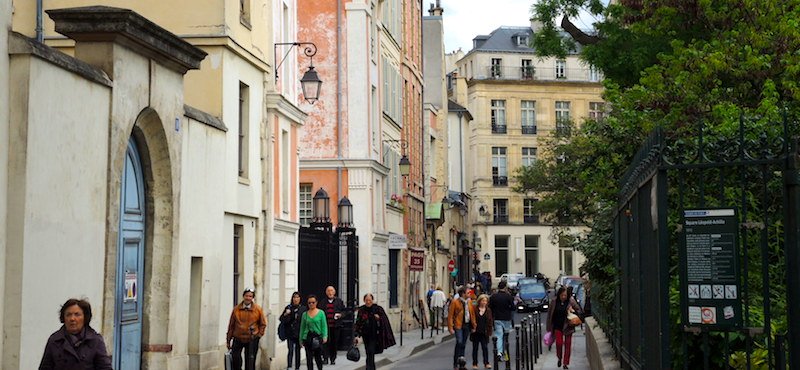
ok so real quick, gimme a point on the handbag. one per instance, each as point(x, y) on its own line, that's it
point(353, 354)
point(548, 339)
point(315, 343)
point(573, 319)
point(228, 360)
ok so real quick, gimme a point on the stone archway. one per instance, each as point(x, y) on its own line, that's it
point(157, 162)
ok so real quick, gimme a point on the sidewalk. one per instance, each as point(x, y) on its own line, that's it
point(578, 360)
point(412, 345)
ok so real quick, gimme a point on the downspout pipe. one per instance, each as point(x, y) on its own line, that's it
point(339, 69)
point(39, 29)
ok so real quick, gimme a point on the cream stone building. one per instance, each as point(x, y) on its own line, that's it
point(242, 210)
point(518, 99)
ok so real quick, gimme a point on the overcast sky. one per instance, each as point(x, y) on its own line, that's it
point(465, 19)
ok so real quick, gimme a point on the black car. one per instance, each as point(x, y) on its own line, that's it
point(532, 297)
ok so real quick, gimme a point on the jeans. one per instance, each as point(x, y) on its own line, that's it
point(312, 356)
point(370, 347)
point(250, 350)
point(331, 346)
point(294, 352)
point(501, 329)
point(483, 341)
point(566, 342)
point(461, 343)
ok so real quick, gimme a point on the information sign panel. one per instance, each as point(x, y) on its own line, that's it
point(710, 284)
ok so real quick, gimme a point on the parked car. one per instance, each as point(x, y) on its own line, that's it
point(582, 297)
point(532, 296)
point(512, 280)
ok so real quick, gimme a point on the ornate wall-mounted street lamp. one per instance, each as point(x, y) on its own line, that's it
point(322, 213)
point(310, 83)
point(345, 214)
point(404, 164)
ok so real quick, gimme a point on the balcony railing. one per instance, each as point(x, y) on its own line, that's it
point(500, 180)
point(531, 219)
point(499, 129)
point(529, 129)
point(519, 73)
point(501, 219)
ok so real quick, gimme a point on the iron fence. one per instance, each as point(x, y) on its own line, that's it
point(750, 172)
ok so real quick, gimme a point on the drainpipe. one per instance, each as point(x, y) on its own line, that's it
point(39, 11)
point(460, 153)
point(339, 98)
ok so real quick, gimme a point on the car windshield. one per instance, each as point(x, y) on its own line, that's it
point(532, 289)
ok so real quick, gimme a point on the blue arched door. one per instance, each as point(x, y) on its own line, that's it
point(130, 264)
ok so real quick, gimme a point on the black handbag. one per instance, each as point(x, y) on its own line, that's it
point(353, 354)
point(315, 343)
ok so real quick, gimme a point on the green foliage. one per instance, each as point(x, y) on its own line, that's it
point(677, 64)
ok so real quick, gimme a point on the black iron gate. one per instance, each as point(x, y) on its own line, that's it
point(750, 170)
point(318, 261)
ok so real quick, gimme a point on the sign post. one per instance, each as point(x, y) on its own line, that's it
point(710, 284)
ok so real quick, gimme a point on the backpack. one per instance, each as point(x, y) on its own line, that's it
point(282, 331)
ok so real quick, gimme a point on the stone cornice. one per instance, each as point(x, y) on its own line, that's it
point(325, 164)
point(286, 108)
point(128, 28)
point(204, 118)
point(19, 44)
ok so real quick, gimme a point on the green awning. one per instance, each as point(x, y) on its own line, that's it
point(434, 212)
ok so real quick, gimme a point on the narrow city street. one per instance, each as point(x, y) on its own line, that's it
point(440, 356)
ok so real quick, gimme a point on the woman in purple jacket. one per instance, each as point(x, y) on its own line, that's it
point(75, 346)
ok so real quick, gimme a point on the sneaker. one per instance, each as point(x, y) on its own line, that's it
point(506, 358)
point(559, 363)
point(488, 366)
point(566, 366)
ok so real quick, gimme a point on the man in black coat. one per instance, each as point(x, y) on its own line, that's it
point(502, 306)
point(333, 308)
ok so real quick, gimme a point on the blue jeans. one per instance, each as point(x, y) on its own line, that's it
point(461, 343)
point(501, 327)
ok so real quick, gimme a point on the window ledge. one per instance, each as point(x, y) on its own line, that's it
point(244, 181)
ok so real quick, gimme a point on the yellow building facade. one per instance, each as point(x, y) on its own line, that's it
point(518, 101)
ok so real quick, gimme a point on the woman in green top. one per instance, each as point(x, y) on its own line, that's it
point(314, 324)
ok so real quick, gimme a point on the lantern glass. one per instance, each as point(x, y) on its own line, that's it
point(321, 206)
point(311, 85)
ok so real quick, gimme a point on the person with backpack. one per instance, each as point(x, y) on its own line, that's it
point(290, 323)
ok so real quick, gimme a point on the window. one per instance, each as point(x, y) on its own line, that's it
point(304, 208)
point(528, 211)
point(528, 156)
point(373, 31)
point(244, 126)
point(497, 68)
point(527, 69)
point(392, 18)
point(521, 40)
point(392, 183)
point(531, 254)
point(285, 170)
point(238, 262)
point(500, 207)
point(244, 12)
point(562, 118)
point(561, 68)
point(528, 117)
point(499, 117)
point(594, 74)
point(597, 110)
point(500, 255)
point(392, 93)
point(499, 166)
point(565, 260)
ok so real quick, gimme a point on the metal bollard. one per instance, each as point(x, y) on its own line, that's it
point(522, 351)
point(507, 349)
point(527, 353)
point(494, 350)
point(532, 353)
point(401, 328)
point(517, 344)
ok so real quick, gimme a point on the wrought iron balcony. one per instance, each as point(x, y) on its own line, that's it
point(500, 180)
point(529, 129)
point(499, 129)
point(501, 219)
point(531, 73)
point(531, 219)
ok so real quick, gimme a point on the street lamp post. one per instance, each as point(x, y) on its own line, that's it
point(310, 83)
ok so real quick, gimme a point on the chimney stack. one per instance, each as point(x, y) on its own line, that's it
point(437, 10)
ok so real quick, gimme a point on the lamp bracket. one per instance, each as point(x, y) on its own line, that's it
point(310, 49)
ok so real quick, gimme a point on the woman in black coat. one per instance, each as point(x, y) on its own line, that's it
point(291, 322)
point(75, 346)
point(372, 325)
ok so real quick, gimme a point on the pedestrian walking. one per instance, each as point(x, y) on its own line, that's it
point(313, 333)
point(75, 345)
point(502, 305)
point(438, 300)
point(458, 322)
point(245, 327)
point(333, 307)
point(482, 329)
point(561, 328)
point(373, 327)
point(290, 318)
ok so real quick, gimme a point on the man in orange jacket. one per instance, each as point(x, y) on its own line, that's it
point(245, 328)
point(458, 322)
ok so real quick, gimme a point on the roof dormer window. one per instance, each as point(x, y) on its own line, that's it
point(521, 40)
